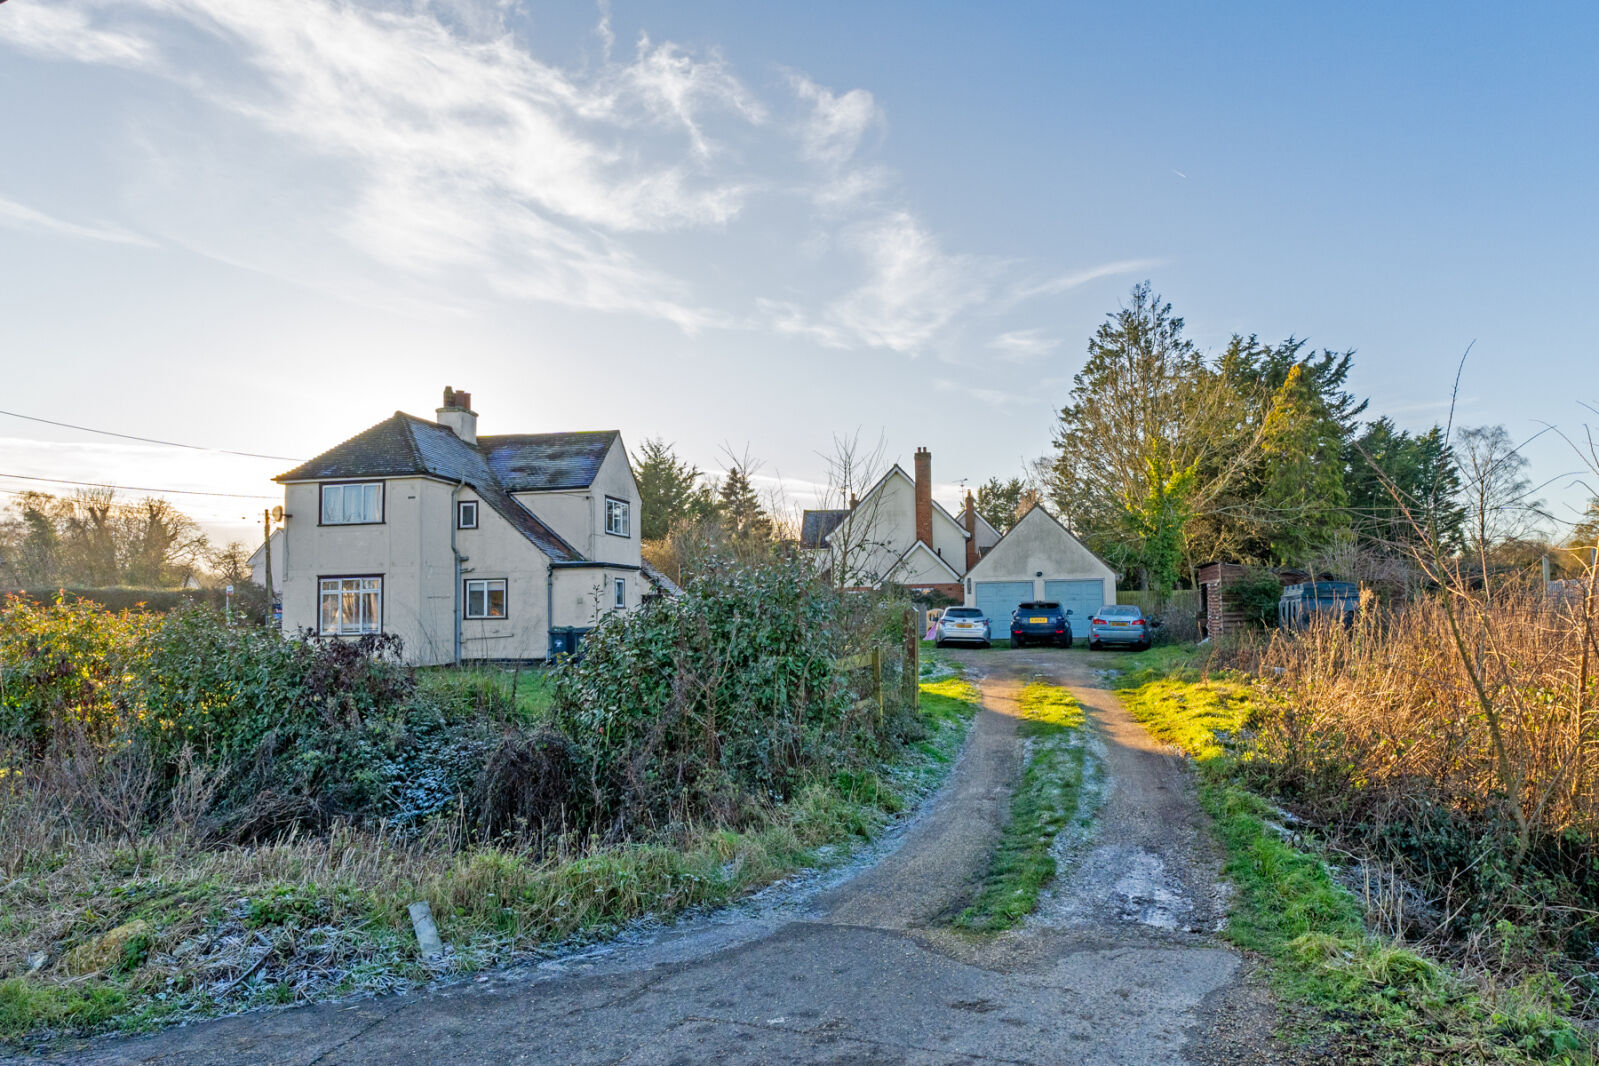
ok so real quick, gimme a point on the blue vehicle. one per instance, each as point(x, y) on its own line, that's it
point(1120, 623)
point(1040, 622)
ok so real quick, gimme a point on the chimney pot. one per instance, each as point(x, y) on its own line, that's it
point(457, 415)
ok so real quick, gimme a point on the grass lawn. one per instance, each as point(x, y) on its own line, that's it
point(524, 694)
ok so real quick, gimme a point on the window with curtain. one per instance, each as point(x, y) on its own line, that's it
point(351, 605)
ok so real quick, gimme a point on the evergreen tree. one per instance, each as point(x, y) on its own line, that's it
point(1132, 437)
point(670, 489)
point(739, 508)
point(1403, 489)
point(1001, 502)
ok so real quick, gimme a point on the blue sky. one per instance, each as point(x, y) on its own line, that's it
point(265, 226)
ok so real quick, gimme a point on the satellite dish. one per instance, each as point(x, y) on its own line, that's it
point(277, 513)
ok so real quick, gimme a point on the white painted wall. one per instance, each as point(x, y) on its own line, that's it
point(1039, 543)
point(410, 550)
point(578, 515)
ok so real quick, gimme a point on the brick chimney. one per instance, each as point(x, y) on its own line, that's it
point(972, 554)
point(924, 496)
point(458, 416)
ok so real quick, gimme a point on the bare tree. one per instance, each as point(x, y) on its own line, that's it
point(859, 552)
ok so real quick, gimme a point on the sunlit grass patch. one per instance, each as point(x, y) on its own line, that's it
point(1045, 802)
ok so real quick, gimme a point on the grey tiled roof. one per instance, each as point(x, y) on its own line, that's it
point(816, 525)
point(530, 462)
point(406, 446)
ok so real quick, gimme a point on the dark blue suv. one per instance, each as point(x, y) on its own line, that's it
point(1040, 622)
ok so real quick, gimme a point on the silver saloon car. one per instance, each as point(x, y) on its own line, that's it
point(1119, 623)
point(963, 624)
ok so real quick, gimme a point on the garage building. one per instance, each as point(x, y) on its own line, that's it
point(1039, 559)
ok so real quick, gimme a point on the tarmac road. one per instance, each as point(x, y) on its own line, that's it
point(1119, 966)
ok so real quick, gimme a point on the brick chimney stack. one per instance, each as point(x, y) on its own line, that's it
point(924, 496)
point(458, 416)
point(972, 554)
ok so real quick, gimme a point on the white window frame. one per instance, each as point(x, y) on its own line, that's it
point(360, 595)
point(460, 514)
point(618, 517)
point(619, 593)
point(344, 488)
point(485, 586)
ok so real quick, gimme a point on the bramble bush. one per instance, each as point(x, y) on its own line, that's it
point(706, 704)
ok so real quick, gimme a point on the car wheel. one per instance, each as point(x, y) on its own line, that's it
point(1014, 643)
point(1066, 643)
point(986, 644)
point(1093, 645)
point(1145, 646)
point(938, 643)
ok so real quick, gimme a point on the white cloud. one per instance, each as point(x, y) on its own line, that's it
point(991, 397)
point(62, 31)
point(1019, 345)
point(1066, 282)
point(21, 216)
point(434, 144)
point(832, 132)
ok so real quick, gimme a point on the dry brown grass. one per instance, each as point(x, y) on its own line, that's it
point(1500, 723)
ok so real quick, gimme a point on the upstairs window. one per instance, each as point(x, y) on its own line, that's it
point(619, 588)
point(351, 605)
point(616, 518)
point(466, 514)
point(354, 504)
point(485, 598)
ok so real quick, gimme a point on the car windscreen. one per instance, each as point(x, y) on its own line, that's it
point(1116, 611)
point(963, 612)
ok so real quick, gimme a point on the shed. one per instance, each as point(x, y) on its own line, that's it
point(1219, 614)
point(1040, 559)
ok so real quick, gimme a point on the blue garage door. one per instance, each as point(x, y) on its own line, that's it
point(998, 599)
point(1082, 598)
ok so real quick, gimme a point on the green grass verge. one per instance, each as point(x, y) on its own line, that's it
point(1375, 1001)
point(1045, 801)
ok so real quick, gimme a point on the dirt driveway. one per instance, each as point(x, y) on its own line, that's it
point(1118, 966)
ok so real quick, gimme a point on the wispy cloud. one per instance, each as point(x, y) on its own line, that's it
point(443, 151)
point(991, 397)
point(1020, 345)
point(64, 31)
point(21, 216)
point(1062, 283)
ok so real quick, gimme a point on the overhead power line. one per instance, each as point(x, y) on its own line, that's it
point(140, 488)
point(149, 440)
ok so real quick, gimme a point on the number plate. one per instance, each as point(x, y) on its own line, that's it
point(1118, 623)
point(1037, 621)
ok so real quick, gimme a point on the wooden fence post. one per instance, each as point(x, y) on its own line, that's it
point(877, 678)
point(912, 678)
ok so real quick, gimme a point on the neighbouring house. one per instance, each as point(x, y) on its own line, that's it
point(896, 533)
point(467, 547)
point(1040, 559)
